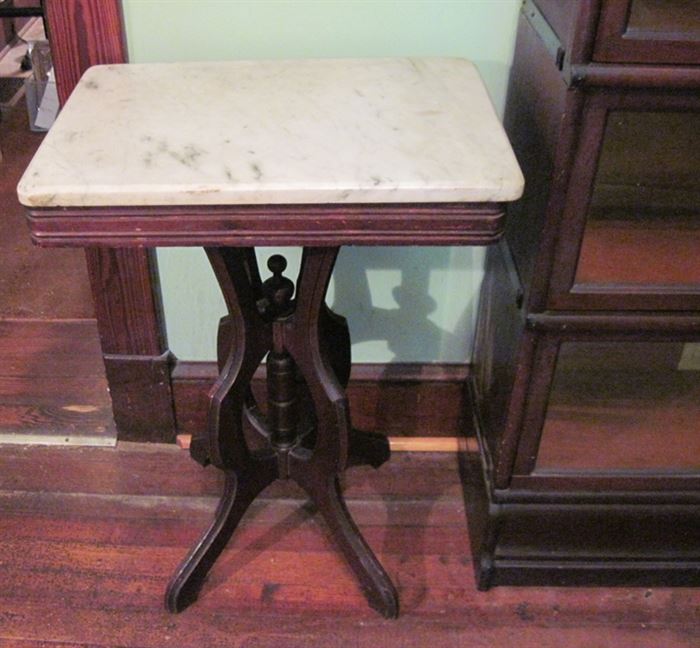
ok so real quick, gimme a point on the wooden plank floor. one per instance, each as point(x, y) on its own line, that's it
point(90, 536)
point(34, 282)
point(53, 387)
point(52, 378)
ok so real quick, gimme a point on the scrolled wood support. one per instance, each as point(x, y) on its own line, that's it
point(307, 424)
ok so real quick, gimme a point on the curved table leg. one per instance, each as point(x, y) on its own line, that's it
point(244, 338)
point(335, 341)
point(364, 448)
point(240, 489)
point(317, 470)
point(367, 449)
point(375, 583)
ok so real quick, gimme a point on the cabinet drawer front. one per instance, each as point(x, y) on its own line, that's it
point(648, 31)
point(630, 236)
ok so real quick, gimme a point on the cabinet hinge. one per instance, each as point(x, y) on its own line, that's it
point(545, 32)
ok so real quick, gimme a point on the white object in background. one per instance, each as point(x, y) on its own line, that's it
point(690, 358)
point(48, 108)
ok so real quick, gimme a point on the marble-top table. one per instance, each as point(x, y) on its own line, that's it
point(319, 153)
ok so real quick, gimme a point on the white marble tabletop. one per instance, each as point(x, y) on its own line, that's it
point(275, 132)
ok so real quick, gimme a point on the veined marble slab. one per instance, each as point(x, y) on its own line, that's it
point(275, 132)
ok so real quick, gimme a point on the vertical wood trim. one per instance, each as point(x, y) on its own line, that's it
point(535, 407)
point(583, 37)
point(564, 158)
point(127, 300)
point(517, 404)
point(83, 33)
point(576, 203)
point(124, 281)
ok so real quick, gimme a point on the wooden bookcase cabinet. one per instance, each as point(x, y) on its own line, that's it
point(587, 358)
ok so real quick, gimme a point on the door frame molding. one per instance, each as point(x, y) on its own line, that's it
point(125, 285)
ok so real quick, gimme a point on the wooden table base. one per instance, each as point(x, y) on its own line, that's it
point(305, 432)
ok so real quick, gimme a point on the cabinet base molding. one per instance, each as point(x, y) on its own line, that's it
point(606, 543)
point(398, 444)
point(606, 547)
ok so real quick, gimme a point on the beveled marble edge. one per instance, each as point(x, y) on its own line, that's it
point(212, 195)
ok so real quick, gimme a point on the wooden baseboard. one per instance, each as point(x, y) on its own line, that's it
point(141, 397)
point(399, 400)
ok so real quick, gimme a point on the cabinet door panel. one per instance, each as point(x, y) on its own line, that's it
point(643, 221)
point(664, 19)
point(630, 236)
point(623, 407)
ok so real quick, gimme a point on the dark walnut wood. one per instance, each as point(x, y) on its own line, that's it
point(305, 435)
point(370, 224)
point(396, 399)
point(585, 408)
point(648, 31)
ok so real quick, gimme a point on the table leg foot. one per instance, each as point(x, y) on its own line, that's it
point(374, 581)
point(367, 449)
point(239, 492)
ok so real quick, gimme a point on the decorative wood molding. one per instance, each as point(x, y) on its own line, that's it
point(429, 224)
point(124, 282)
point(618, 41)
point(646, 325)
point(406, 400)
point(639, 76)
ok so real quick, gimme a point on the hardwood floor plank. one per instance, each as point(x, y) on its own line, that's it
point(66, 420)
point(77, 388)
point(148, 629)
point(30, 643)
point(198, 511)
point(288, 579)
point(87, 565)
point(166, 470)
point(52, 383)
point(299, 527)
point(34, 282)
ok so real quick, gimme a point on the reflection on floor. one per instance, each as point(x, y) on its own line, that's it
point(90, 537)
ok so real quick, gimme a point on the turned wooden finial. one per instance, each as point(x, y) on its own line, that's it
point(278, 290)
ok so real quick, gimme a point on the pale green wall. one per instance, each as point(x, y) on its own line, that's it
point(403, 304)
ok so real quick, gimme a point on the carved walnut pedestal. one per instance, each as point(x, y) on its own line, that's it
point(306, 433)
